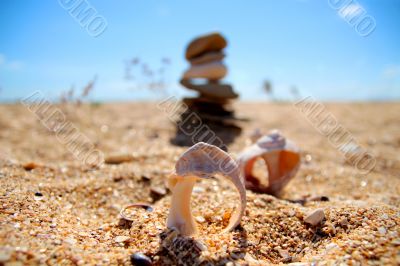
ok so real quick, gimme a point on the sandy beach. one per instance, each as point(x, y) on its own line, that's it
point(55, 210)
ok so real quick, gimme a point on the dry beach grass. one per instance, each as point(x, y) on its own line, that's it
point(57, 211)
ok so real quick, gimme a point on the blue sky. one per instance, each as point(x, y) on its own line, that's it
point(303, 43)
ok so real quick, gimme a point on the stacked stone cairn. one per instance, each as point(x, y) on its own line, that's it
point(212, 104)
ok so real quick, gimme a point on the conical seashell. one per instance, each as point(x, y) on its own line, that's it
point(201, 161)
point(281, 156)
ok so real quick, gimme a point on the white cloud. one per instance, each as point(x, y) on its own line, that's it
point(391, 72)
point(351, 11)
point(10, 65)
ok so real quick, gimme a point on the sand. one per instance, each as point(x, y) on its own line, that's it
point(55, 210)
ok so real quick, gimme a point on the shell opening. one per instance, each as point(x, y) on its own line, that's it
point(202, 161)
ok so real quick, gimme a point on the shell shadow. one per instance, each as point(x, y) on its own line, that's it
point(178, 250)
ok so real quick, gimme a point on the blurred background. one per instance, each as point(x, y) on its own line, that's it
point(134, 51)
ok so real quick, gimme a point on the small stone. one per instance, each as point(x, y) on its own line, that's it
point(118, 158)
point(83, 234)
point(70, 240)
point(324, 198)
point(382, 230)
point(4, 256)
point(145, 178)
point(38, 196)
point(213, 71)
point(200, 219)
point(198, 189)
point(385, 216)
point(105, 227)
point(157, 192)
point(207, 58)
point(118, 178)
point(214, 90)
point(315, 217)
point(30, 166)
point(206, 43)
point(319, 198)
point(248, 258)
point(285, 255)
point(139, 259)
point(121, 239)
point(343, 221)
point(104, 128)
point(331, 246)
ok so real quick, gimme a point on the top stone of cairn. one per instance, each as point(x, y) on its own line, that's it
point(206, 43)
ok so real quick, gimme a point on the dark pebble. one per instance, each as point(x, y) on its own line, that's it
point(139, 259)
point(298, 201)
point(324, 198)
point(156, 193)
point(145, 178)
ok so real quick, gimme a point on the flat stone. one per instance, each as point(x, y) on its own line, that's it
point(207, 100)
point(212, 71)
point(315, 217)
point(120, 239)
point(30, 166)
point(5, 256)
point(214, 90)
point(207, 58)
point(205, 43)
point(118, 158)
point(208, 119)
point(208, 107)
point(285, 255)
point(217, 113)
point(224, 121)
point(158, 190)
point(200, 219)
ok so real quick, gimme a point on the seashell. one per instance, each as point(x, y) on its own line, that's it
point(281, 156)
point(201, 161)
point(143, 206)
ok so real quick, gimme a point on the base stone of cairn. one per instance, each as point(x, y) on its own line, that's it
point(211, 110)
